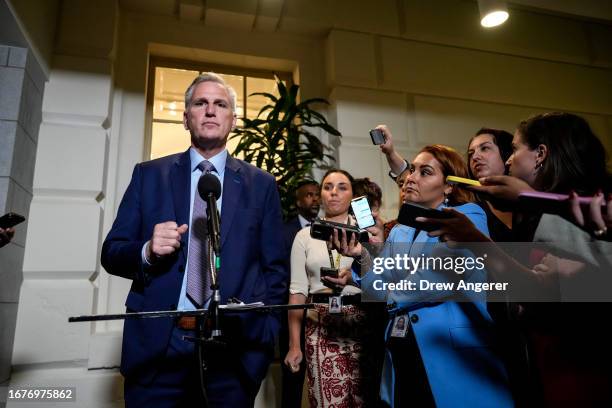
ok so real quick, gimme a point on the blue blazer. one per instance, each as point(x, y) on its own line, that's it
point(456, 339)
point(252, 264)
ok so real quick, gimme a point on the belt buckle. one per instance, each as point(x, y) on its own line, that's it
point(186, 323)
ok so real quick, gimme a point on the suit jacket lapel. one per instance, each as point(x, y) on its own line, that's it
point(180, 182)
point(232, 190)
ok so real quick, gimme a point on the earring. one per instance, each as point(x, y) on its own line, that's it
point(445, 200)
point(538, 166)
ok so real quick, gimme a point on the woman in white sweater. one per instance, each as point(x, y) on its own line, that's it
point(338, 372)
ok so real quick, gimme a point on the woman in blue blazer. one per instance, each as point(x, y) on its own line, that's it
point(447, 356)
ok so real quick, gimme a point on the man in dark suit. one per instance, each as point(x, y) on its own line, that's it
point(308, 204)
point(155, 243)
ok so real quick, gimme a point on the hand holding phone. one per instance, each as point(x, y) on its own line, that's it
point(329, 272)
point(362, 212)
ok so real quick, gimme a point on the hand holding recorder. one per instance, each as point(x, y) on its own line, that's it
point(6, 235)
point(339, 279)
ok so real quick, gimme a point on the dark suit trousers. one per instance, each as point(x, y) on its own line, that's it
point(178, 383)
point(292, 383)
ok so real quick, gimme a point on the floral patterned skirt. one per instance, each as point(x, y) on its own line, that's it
point(340, 372)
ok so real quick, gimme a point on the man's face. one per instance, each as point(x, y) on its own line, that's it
point(209, 117)
point(308, 200)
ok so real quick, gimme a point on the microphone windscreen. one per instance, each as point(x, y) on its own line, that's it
point(209, 184)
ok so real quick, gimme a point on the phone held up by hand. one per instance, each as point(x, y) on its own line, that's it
point(378, 137)
point(362, 212)
point(11, 219)
point(410, 211)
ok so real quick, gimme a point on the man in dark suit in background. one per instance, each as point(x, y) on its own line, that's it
point(307, 203)
point(155, 243)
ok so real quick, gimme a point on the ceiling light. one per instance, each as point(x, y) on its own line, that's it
point(492, 12)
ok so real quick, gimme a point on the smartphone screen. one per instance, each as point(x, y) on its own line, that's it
point(362, 212)
point(378, 137)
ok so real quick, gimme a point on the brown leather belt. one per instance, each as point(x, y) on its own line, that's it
point(186, 323)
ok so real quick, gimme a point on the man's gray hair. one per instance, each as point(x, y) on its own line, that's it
point(210, 77)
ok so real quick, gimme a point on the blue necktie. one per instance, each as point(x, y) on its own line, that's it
point(198, 275)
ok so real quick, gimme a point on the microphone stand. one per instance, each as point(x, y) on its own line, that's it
point(208, 339)
point(214, 256)
point(201, 316)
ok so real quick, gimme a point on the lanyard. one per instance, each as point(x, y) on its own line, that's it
point(334, 263)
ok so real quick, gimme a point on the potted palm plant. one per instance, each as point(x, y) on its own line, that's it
point(280, 140)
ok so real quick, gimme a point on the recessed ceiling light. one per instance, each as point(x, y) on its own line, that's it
point(492, 12)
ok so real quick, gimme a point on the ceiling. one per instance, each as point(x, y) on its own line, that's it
point(588, 9)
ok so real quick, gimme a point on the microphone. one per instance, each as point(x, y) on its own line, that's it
point(209, 189)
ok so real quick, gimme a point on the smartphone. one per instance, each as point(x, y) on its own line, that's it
point(362, 211)
point(461, 180)
point(551, 203)
point(11, 219)
point(332, 273)
point(378, 137)
point(323, 230)
point(410, 211)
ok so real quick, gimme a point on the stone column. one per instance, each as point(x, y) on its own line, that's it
point(61, 262)
point(21, 87)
